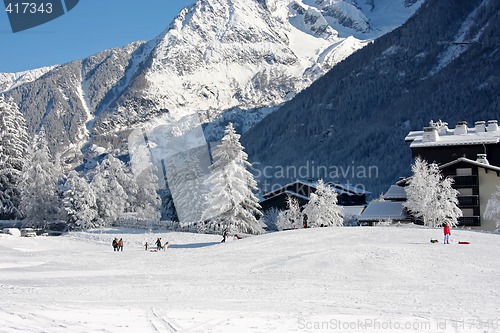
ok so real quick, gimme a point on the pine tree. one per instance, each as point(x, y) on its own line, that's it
point(14, 146)
point(322, 208)
point(39, 184)
point(270, 218)
point(187, 179)
point(492, 210)
point(79, 203)
point(147, 201)
point(430, 197)
point(292, 217)
point(230, 200)
point(447, 198)
point(111, 198)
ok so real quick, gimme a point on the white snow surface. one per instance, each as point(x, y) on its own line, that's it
point(290, 281)
point(9, 81)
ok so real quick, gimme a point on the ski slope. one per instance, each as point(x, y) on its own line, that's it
point(313, 280)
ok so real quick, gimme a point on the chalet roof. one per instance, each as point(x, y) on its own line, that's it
point(382, 210)
point(284, 187)
point(395, 192)
point(284, 193)
point(352, 210)
point(472, 162)
point(461, 135)
point(339, 188)
point(346, 188)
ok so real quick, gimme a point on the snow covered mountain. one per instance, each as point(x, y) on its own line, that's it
point(11, 80)
point(215, 56)
point(443, 63)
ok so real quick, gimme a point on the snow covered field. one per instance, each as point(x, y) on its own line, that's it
point(380, 279)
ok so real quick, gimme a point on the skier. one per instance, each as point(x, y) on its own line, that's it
point(120, 245)
point(146, 246)
point(115, 244)
point(447, 233)
point(158, 244)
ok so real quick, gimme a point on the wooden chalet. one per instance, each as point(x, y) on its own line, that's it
point(301, 190)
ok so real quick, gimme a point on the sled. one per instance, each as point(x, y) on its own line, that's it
point(153, 250)
point(463, 242)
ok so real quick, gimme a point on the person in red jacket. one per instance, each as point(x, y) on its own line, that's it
point(447, 233)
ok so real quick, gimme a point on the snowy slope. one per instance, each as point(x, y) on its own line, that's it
point(283, 282)
point(11, 80)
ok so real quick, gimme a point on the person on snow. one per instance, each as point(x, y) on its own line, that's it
point(120, 245)
point(158, 244)
point(447, 233)
point(146, 246)
point(224, 235)
point(165, 246)
point(115, 244)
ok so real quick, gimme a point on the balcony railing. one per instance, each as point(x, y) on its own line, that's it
point(469, 221)
point(468, 200)
point(465, 181)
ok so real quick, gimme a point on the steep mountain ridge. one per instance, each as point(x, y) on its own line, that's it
point(216, 55)
point(442, 64)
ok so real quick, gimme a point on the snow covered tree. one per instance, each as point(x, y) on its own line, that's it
point(430, 197)
point(79, 203)
point(492, 210)
point(447, 210)
point(111, 198)
point(187, 186)
point(270, 218)
point(231, 200)
point(322, 208)
point(39, 184)
point(147, 201)
point(292, 217)
point(14, 146)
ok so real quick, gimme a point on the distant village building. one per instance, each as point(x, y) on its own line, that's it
point(353, 199)
point(471, 156)
point(440, 144)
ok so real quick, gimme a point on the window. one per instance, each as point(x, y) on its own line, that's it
point(464, 171)
point(468, 212)
point(464, 191)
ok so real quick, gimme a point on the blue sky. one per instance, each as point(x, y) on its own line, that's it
point(92, 26)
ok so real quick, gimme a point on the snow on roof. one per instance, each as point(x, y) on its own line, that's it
point(291, 193)
point(352, 210)
point(382, 210)
point(466, 160)
point(395, 192)
point(339, 188)
point(482, 133)
point(347, 188)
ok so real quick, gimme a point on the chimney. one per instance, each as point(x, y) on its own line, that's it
point(480, 126)
point(430, 134)
point(481, 158)
point(460, 128)
point(492, 125)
